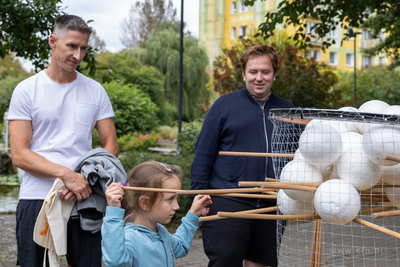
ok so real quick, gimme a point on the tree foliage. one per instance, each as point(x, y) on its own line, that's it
point(376, 82)
point(162, 51)
point(25, 27)
point(305, 82)
point(134, 110)
point(376, 15)
point(144, 17)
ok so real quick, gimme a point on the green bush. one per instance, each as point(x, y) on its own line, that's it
point(133, 158)
point(137, 141)
point(188, 137)
point(134, 110)
point(168, 132)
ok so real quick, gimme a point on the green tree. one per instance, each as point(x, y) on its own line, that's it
point(99, 46)
point(134, 110)
point(125, 66)
point(162, 51)
point(377, 15)
point(7, 86)
point(144, 17)
point(25, 27)
point(305, 82)
point(377, 82)
point(10, 66)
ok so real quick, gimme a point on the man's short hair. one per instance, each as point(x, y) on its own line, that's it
point(72, 23)
point(256, 51)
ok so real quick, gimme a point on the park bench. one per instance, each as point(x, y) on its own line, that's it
point(169, 147)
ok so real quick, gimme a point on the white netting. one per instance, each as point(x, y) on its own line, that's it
point(338, 152)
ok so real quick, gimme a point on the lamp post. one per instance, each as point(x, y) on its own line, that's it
point(355, 87)
point(180, 71)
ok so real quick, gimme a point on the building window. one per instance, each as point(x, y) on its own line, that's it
point(242, 7)
point(367, 35)
point(333, 58)
point(233, 33)
point(334, 33)
point(309, 29)
point(315, 54)
point(243, 31)
point(381, 61)
point(348, 31)
point(367, 61)
point(350, 60)
point(233, 8)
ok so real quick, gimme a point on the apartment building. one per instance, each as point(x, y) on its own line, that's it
point(222, 22)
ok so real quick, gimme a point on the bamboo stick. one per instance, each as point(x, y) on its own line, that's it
point(267, 216)
point(219, 191)
point(255, 211)
point(246, 195)
point(391, 157)
point(313, 244)
point(293, 186)
point(385, 214)
point(294, 120)
point(379, 209)
point(386, 185)
point(254, 154)
point(271, 179)
point(319, 244)
point(162, 190)
point(265, 184)
point(377, 228)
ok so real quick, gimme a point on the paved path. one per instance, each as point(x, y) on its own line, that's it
point(8, 247)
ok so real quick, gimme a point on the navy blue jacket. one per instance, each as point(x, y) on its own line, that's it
point(235, 122)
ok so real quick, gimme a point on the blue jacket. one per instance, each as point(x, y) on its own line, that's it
point(138, 246)
point(235, 122)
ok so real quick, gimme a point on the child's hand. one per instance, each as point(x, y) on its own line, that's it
point(199, 203)
point(114, 194)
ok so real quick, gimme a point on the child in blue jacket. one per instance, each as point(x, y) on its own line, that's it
point(132, 230)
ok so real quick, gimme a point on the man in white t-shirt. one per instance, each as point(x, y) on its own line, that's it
point(52, 115)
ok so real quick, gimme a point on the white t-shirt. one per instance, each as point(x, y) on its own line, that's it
point(63, 117)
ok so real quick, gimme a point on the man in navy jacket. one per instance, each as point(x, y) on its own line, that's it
point(239, 122)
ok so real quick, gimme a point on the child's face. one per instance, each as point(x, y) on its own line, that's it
point(167, 203)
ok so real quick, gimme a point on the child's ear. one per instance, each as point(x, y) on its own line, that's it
point(144, 203)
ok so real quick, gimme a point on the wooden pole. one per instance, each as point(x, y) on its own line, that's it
point(254, 154)
point(267, 216)
point(379, 209)
point(391, 157)
point(247, 195)
point(386, 214)
point(255, 211)
point(377, 228)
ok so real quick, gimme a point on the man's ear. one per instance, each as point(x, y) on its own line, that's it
point(144, 203)
point(244, 79)
point(52, 41)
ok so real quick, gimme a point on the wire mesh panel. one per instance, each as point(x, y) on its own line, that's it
point(346, 164)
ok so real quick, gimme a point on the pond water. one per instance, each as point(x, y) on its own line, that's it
point(9, 190)
point(8, 197)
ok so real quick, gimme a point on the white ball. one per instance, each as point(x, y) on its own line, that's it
point(337, 202)
point(372, 106)
point(392, 110)
point(393, 194)
point(351, 126)
point(391, 174)
point(381, 139)
point(298, 155)
point(350, 139)
point(290, 206)
point(355, 168)
point(320, 145)
point(300, 171)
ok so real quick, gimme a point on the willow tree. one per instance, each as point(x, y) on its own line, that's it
point(162, 51)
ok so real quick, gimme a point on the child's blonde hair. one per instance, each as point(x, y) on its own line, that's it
point(147, 174)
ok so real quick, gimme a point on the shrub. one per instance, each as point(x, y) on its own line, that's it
point(188, 137)
point(134, 110)
point(137, 141)
point(167, 132)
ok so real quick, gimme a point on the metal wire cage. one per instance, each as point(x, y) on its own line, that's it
point(357, 242)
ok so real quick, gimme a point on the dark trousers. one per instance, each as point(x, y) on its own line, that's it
point(83, 247)
point(228, 242)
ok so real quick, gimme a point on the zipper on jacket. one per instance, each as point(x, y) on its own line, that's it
point(165, 251)
point(266, 139)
